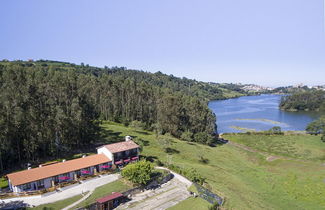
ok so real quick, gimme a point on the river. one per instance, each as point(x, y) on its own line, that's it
point(249, 113)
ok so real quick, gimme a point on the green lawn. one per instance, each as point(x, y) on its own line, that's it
point(192, 203)
point(246, 179)
point(3, 182)
point(58, 205)
point(116, 186)
point(306, 147)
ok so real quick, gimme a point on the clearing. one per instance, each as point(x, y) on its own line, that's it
point(245, 178)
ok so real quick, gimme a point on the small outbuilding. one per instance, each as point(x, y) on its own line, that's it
point(109, 202)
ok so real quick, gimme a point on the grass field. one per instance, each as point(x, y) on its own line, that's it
point(116, 186)
point(58, 205)
point(305, 147)
point(3, 182)
point(192, 203)
point(246, 179)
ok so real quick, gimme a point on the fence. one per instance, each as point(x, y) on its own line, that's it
point(208, 195)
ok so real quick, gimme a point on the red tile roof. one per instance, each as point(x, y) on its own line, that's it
point(113, 196)
point(26, 176)
point(121, 146)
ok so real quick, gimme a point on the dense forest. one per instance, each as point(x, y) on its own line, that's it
point(48, 108)
point(312, 100)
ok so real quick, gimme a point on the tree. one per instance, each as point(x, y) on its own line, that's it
point(187, 136)
point(139, 172)
point(317, 127)
point(275, 130)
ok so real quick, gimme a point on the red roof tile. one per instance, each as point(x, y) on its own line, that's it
point(121, 146)
point(34, 174)
point(109, 197)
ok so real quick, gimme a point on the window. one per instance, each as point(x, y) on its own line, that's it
point(40, 183)
point(27, 186)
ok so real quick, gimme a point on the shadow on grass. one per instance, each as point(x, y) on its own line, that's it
point(109, 136)
point(150, 158)
point(171, 151)
point(142, 132)
point(142, 142)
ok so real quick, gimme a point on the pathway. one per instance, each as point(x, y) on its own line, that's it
point(87, 186)
point(79, 201)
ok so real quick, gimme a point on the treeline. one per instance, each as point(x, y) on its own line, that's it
point(313, 100)
point(49, 108)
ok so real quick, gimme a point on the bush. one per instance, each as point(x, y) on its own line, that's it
point(189, 173)
point(139, 172)
point(137, 124)
point(187, 136)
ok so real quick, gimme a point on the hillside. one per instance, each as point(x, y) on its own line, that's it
point(312, 100)
point(246, 179)
point(50, 109)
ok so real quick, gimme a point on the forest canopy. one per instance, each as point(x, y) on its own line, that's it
point(312, 100)
point(48, 108)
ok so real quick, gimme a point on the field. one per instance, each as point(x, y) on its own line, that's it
point(245, 178)
point(59, 204)
point(3, 182)
point(192, 203)
point(306, 147)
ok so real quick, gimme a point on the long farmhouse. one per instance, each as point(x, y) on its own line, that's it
point(46, 176)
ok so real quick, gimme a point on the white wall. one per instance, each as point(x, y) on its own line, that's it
point(106, 152)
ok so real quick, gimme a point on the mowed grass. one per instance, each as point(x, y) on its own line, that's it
point(59, 204)
point(246, 179)
point(116, 186)
point(305, 147)
point(192, 203)
point(3, 183)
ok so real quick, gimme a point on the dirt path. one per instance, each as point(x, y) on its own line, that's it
point(244, 147)
point(268, 156)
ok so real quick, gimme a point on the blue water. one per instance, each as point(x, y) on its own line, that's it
point(247, 112)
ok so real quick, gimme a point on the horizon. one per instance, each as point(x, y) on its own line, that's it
point(210, 41)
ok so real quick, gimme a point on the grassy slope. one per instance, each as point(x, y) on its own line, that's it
point(59, 204)
point(116, 186)
point(305, 147)
point(192, 203)
point(3, 182)
point(244, 178)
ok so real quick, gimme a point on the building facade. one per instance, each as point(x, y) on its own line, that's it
point(47, 176)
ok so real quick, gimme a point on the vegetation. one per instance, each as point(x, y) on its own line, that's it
point(192, 203)
point(139, 172)
point(244, 178)
point(49, 109)
point(116, 186)
point(3, 183)
point(59, 204)
point(303, 147)
point(313, 100)
point(317, 127)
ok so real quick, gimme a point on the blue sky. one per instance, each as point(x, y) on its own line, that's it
point(267, 42)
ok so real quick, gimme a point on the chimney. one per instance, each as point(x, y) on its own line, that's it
point(84, 156)
point(63, 160)
point(29, 168)
point(128, 138)
point(40, 166)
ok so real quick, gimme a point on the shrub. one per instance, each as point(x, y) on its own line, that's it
point(137, 124)
point(139, 172)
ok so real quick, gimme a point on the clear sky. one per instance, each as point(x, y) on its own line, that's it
point(267, 42)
